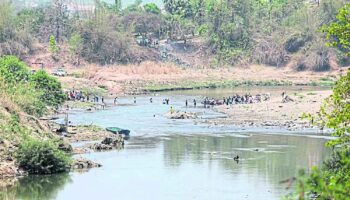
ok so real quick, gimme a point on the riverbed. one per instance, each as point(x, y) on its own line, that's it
point(181, 159)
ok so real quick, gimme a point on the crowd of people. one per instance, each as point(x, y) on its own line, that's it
point(76, 95)
point(237, 99)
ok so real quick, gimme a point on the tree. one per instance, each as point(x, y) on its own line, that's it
point(338, 32)
point(53, 47)
point(332, 180)
point(50, 88)
point(12, 70)
point(152, 8)
point(75, 45)
point(118, 5)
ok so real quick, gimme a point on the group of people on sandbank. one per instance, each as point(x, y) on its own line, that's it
point(237, 99)
point(76, 95)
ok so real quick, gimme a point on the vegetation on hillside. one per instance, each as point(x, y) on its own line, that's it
point(332, 180)
point(24, 97)
point(275, 32)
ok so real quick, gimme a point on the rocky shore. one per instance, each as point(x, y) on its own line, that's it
point(10, 172)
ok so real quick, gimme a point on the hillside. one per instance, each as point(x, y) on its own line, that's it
point(196, 33)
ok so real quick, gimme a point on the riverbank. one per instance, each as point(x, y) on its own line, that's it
point(157, 77)
point(275, 113)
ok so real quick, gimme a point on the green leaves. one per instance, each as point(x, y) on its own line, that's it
point(13, 70)
point(32, 92)
point(338, 33)
point(49, 87)
point(42, 157)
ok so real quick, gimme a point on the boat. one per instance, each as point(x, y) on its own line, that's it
point(117, 130)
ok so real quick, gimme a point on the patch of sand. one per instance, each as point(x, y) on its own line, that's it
point(274, 112)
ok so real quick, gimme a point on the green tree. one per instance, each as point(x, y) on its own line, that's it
point(53, 47)
point(152, 8)
point(50, 88)
point(12, 70)
point(75, 45)
point(338, 32)
point(332, 180)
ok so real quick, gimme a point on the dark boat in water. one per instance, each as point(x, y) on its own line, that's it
point(117, 130)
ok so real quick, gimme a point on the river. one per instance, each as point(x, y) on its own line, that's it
point(180, 159)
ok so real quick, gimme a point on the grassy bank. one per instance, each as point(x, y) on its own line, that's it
point(27, 143)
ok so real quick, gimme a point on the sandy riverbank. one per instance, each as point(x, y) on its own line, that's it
point(274, 113)
point(154, 77)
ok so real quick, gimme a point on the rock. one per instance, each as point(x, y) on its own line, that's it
point(101, 147)
point(82, 163)
point(65, 147)
point(181, 115)
point(80, 151)
point(8, 169)
point(108, 141)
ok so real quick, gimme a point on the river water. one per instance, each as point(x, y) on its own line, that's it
point(180, 159)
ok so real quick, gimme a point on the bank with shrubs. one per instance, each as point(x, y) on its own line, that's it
point(27, 145)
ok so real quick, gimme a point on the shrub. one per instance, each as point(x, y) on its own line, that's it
point(270, 52)
point(152, 8)
point(49, 87)
point(13, 70)
point(295, 42)
point(42, 157)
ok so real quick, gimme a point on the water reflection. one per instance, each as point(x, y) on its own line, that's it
point(266, 157)
point(184, 167)
point(37, 187)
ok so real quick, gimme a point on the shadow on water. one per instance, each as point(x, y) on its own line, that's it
point(37, 187)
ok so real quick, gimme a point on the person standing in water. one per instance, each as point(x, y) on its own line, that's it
point(115, 100)
point(151, 100)
point(194, 102)
point(134, 99)
point(186, 103)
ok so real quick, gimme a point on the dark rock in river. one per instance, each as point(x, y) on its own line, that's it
point(81, 163)
point(108, 143)
point(65, 147)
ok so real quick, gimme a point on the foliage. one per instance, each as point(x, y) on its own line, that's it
point(42, 157)
point(332, 181)
point(50, 88)
point(152, 8)
point(32, 92)
point(12, 70)
point(338, 32)
point(53, 47)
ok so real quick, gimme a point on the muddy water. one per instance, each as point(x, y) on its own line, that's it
point(180, 159)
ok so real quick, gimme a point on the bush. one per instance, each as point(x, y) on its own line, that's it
point(13, 70)
point(42, 157)
point(295, 43)
point(268, 51)
point(49, 87)
point(152, 8)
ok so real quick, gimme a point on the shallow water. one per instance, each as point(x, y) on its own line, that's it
point(180, 159)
